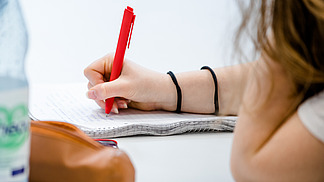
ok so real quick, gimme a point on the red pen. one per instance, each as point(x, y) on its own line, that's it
point(124, 39)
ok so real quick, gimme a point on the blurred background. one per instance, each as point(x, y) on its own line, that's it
point(178, 35)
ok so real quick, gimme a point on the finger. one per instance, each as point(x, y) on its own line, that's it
point(114, 108)
point(106, 90)
point(116, 105)
point(98, 71)
point(101, 103)
point(142, 106)
point(118, 102)
point(121, 103)
point(94, 75)
point(136, 105)
point(89, 85)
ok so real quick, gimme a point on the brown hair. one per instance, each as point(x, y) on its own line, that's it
point(297, 38)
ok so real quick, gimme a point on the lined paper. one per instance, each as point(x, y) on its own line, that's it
point(69, 103)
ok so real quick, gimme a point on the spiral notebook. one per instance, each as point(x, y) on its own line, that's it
point(68, 103)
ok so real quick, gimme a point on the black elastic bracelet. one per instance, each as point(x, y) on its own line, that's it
point(216, 87)
point(179, 93)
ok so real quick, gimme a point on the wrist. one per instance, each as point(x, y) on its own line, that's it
point(168, 94)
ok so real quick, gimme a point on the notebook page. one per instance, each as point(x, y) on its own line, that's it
point(69, 103)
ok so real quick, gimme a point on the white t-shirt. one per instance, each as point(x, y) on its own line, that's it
point(311, 113)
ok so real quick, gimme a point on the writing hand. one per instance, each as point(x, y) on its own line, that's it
point(136, 87)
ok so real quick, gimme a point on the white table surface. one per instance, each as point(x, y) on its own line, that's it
point(178, 35)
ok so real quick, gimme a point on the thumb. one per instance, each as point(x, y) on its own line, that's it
point(105, 90)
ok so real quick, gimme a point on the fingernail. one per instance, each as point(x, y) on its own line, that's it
point(115, 110)
point(92, 94)
point(123, 106)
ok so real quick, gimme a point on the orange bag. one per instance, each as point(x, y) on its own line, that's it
point(62, 152)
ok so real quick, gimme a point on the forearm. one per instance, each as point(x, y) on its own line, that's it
point(231, 85)
point(198, 90)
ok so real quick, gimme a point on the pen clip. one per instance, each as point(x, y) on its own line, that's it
point(130, 34)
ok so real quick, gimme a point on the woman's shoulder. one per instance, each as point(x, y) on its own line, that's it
point(311, 113)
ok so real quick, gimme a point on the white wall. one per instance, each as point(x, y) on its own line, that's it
point(178, 35)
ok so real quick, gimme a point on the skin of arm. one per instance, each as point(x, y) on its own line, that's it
point(268, 145)
point(198, 89)
point(149, 90)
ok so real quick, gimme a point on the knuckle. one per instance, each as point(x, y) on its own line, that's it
point(86, 72)
point(104, 91)
point(89, 85)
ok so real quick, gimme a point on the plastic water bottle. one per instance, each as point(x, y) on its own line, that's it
point(14, 120)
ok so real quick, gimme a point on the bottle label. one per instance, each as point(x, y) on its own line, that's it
point(14, 134)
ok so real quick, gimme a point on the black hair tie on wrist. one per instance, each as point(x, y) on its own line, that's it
point(179, 94)
point(216, 87)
